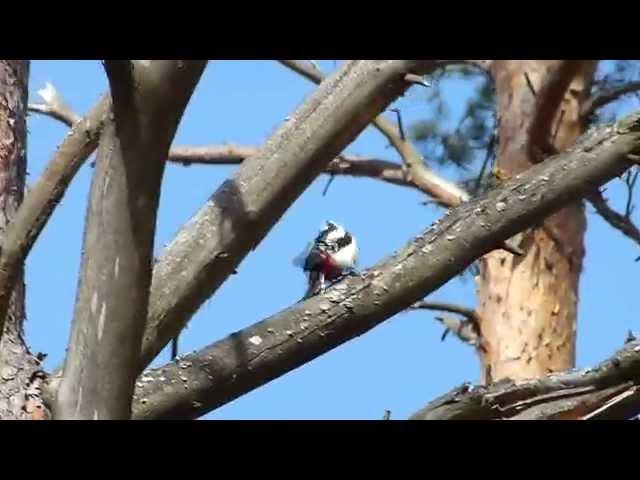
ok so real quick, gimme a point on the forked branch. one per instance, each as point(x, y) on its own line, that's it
point(218, 374)
point(42, 199)
point(149, 98)
point(242, 211)
point(443, 192)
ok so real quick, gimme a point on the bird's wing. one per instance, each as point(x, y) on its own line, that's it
point(301, 259)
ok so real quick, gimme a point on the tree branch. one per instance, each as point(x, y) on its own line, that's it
point(468, 313)
point(548, 100)
point(444, 192)
point(243, 210)
point(252, 357)
point(54, 106)
point(235, 154)
point(607, 391)
point(600, 99)
point(618, 221)
point(467, 329)
point(149, 99)
point(416, 172)
point(39, 204)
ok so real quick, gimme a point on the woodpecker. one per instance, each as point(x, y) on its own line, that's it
point(332, 254)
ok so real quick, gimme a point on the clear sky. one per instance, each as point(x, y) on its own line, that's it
point(401, 364)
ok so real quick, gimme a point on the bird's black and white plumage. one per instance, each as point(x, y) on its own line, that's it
point(333, 253)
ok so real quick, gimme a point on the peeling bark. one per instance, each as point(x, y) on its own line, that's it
point(528, 304)
point(20, 372)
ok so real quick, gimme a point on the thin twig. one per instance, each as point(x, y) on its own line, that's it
point(466, 312)
point(54, 106)
point(466, 330)
point(615, 219)
point(529, 84)
point(416, 79)
point(600, 99)
point(630, 182)
point(444, 192)
point(329, 182)
point(403, 137)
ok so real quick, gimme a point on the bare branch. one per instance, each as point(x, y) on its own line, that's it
point(468, 313)
point(444, 192)
point(631, 177)
point(306, 69)
point(212, 155)
point(252, 357)
point(600, 99)
point(607, 391)
point(548, 100)
point(111, 305)
point(416, 79)
point(618, 221)
point(342, 165)
point(467, 329)
point(243, 210)
point(54, 106)
point(44, 196)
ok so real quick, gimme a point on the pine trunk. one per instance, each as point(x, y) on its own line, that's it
point(527, 305)
point(20, 372)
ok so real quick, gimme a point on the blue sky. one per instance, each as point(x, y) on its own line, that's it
point(399, 365)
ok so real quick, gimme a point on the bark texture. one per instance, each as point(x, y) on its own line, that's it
point(241, 212)
point(609, 391)
point(20, 373)
point(247, 359)
point(527, 305)
point(149, 98)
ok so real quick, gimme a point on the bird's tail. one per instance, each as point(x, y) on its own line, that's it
point(316, 285)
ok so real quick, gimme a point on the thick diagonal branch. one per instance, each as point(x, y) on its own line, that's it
point(252, 357)
point(46, 193)
point(149, 98)
point(443, 192)
point(607, 391)
point(416, 172)
point(242, 211)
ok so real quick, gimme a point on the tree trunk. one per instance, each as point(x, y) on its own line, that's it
point(20, 373)
point(527, 305)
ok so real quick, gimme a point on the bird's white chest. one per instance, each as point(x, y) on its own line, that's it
point(347, 256)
